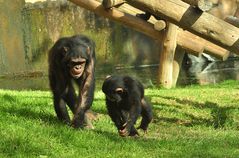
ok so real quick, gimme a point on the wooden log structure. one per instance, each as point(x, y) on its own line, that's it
point(232, 20)
point(192, 19)
point(204, 5)
point(194, 44)
point(167, 56)
point(114, 3)
point(172, 37)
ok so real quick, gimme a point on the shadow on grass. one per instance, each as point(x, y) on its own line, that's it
point(218, 114)
point(113, 136)
point(27, 111)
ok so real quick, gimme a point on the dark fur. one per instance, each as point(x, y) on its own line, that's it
point(124, 107)
point(61, 61)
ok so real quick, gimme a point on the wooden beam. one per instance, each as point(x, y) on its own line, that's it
point(194, 44)
point(118, 16)
point(200, 23)
point(199, 43)
point(204, 5)
point(232, 20)
point(186, 40)
point(167, 56)
point(112, 3)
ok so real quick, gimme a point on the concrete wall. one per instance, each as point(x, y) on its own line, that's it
point(29, 30)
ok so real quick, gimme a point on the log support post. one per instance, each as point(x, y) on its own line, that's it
point(167, 56)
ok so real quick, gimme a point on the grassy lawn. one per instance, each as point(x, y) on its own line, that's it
point(194, 121)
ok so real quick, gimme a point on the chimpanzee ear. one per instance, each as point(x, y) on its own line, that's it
point(65, 49)
point(88, 50)
point(119, 90)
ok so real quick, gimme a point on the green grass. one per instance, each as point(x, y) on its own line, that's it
point(194, 121)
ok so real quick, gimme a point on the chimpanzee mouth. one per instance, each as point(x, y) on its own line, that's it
point(76, 74)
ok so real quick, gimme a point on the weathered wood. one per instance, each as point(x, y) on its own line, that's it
point(201, 23)
point(112, 3)
point(167, 56)
point(204, 5)
point(159, 25)
point(187, 41)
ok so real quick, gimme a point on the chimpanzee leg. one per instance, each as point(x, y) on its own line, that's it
point(134, 113)
point(70, 99)
point(60, 109)
point(146, 115)
point(124, 117)
point(84, 102)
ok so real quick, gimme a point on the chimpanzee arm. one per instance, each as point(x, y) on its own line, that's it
point(115, 115)
point(86, 96)
point(134, 113)
point(146, 114)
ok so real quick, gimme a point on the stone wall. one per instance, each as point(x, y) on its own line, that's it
point(30, 29)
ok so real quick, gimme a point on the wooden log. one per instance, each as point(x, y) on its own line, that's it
point(200, 43)
point(200, 23)
point(118, 16)
point(204, 5)
point(145, 27)
point(187, 41)
point(232, 20)
point(167, 56)
point(112, 3)
point(160, 25)
point(194, 44)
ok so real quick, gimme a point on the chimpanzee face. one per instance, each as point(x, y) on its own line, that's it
point(115, 95)
point(113, 89)
point(76, 59)
point(77, 67)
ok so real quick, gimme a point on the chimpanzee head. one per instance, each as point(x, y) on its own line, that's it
point(114, 88)
point(76, 59)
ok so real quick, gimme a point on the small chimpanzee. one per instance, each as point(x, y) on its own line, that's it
point(72, 59)
point(125, 103)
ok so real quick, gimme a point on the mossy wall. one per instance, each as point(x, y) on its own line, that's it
point(11, 37)
point(29, 30)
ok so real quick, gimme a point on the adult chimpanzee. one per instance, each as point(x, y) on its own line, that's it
point(72, 59)
point(125, 103)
